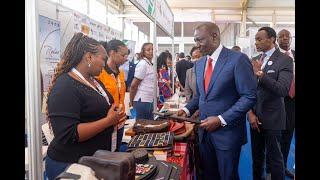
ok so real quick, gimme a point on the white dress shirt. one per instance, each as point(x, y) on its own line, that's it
point(214, 56)
point(268, 55)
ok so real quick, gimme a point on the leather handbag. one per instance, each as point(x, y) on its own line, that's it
point(77, 172)
point(111, 165)
point(142, 126)
point(177, 128)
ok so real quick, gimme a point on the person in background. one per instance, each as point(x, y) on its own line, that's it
point(172, 72)
point(188, 58)
point(284, 40)
point(132, 67)
point(177, 57)
point(181, 68)
point(125, 68)
point(142, 88)
point(236, 48)
point(190, 91)
point(164, 82)
point(274, 72)
point(113, 78)
point(80, 111)
point(226, 90)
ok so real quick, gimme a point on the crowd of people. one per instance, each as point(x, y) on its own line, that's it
point(223, 87)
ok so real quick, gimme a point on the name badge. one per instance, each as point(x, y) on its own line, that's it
point(114, 139)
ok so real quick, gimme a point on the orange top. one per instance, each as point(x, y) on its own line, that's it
point(110, 83)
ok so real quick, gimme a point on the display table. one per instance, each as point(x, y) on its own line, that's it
point(180, 148)
point(128, 125)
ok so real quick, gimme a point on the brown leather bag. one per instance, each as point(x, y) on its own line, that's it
point(111, 165)
point(142, 126)
point(177, 128)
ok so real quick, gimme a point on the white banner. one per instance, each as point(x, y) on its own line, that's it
point(49, 47)
point(164, 16)
point(94, 29)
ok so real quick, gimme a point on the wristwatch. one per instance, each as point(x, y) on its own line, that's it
point(259, 73)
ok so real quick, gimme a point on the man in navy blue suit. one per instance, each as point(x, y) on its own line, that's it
point(226, 90)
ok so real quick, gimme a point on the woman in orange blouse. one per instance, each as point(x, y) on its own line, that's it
point(113, 78)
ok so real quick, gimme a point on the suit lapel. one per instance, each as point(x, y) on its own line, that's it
point(294, 55)
point(222, 59)
point(271, 61)
point(201, 66)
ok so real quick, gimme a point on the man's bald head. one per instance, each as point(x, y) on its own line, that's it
point(207, 38)
point(210, 28)
point(284, 39)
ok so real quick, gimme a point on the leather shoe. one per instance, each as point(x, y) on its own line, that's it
point(289, 173)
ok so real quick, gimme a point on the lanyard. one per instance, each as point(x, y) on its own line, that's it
point(100, 90)
point(117, 81)
point(150, 63)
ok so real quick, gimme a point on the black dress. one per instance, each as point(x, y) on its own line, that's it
point(69, 104)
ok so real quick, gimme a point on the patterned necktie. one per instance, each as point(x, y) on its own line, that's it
point(262, 57)
point(287, 53)
point(208, 75)
point(292, 91)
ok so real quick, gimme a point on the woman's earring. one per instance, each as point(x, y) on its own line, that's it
point(89, 65)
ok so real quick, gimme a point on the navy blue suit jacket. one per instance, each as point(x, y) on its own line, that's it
point(231, 94)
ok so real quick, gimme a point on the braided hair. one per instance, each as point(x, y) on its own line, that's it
point(78, 46)
point(162, 61)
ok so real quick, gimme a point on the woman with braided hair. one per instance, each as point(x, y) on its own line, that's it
point(80, 110)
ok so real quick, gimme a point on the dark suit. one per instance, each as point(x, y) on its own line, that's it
point(270, 110)
point(231, 93)
point(291, 124)
point(287, 134)
point(181, 68)
point(190, 88)
point(132, 67)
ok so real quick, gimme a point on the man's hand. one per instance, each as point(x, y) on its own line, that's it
point(181, 113)
point(256, 65)
point(211, 123)
point(254, 122)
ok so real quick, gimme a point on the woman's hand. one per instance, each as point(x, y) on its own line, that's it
point(123, 117)
point(114, 114)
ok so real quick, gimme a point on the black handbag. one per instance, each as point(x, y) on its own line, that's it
point(111, 165)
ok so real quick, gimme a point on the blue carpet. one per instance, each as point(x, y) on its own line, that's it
point(245, 164)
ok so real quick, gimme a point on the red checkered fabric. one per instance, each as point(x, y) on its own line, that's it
point(181, 148)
